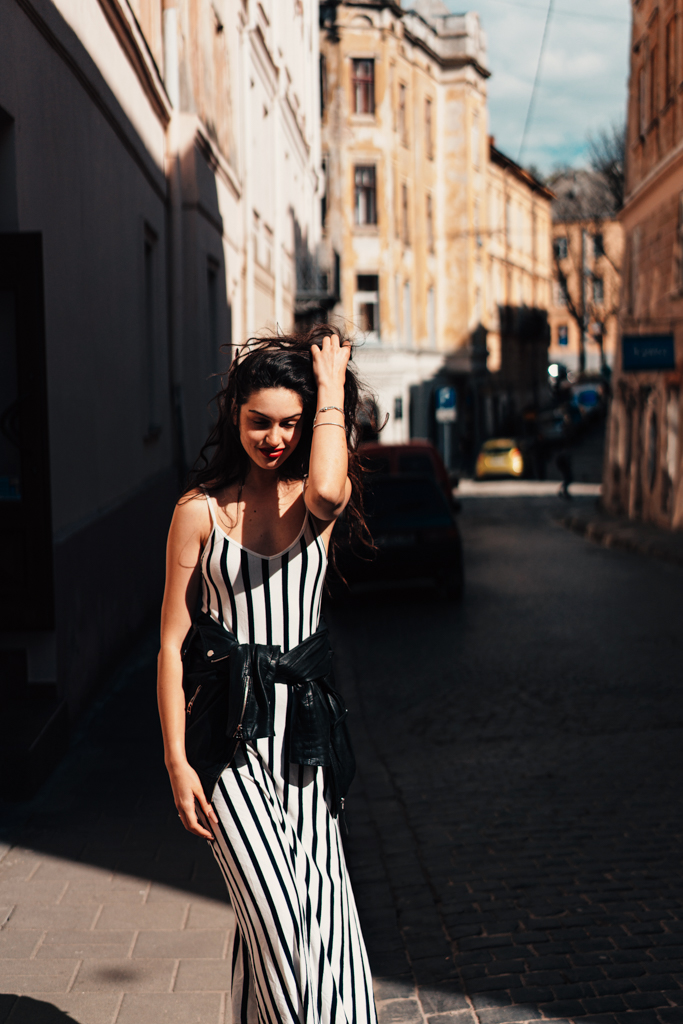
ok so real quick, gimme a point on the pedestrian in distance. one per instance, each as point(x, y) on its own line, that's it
point(249, 543)
point(563, 461)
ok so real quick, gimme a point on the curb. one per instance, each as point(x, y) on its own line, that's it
point(628, 535)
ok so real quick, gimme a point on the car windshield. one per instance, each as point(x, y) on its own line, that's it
point(401, 501)
point(415, 462)
point(498, 449)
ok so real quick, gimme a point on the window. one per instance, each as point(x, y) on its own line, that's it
point(560, 248)
point(508, 223)
point(642, 100)
point(654, 91)
point(402, 118)
point(678, 260)
point(652, 446)
point(25, 520)
point(363, 86)
point(429, 138)
point(562, 335)
point(407, 315)
point(405, 230)
point(323, 85)
point(670, 61)
point(367, 305)
point(365, 195)
point(598, 246)
point(431, 318)
point(398, 407)
point(559, 294)
point(323, 201)
point(397, 308)
point(633, 269)
point(598, 291)
point(212, 269)
point(368, 317)
point(475, 141)
point(430, 223)
point(153, 429)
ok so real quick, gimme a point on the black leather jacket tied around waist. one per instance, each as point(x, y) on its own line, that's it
point(230, 698)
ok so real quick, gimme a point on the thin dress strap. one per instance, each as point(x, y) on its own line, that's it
point(211, 508)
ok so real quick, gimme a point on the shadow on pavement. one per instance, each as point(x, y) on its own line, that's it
point(24, 1010)
point(109, 803)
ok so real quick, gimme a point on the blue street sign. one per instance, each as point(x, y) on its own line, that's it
point(648, 352)
point(446, 410)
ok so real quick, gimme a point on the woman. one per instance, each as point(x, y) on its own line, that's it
point(252, 538)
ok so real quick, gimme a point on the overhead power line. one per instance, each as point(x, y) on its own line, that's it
point(585, 15)
point(530, 108)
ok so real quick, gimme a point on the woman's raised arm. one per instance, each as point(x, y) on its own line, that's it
point(328, 487)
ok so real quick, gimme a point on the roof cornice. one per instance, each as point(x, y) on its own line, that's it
point(508, 164)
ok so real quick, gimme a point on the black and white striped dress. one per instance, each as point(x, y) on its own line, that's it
point(298, 955)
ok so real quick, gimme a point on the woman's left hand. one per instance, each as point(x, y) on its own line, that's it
point(330, 362)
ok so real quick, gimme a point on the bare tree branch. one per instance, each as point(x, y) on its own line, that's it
point(606, 154)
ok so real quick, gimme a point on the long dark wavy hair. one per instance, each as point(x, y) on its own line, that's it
point(282, 361)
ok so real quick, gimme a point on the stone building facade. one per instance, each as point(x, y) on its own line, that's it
point(416, 206)
point(143, 226)
point(588, 250)
point(404, 144)
point(517, 260)
point(643, 477)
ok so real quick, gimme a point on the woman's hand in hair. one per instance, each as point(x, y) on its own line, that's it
point(329, 363)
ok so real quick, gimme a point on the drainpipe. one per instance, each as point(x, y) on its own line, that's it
point(171, 64)
point(584, 318)
point(248, 213)
point(278, 153)
point(174, 226)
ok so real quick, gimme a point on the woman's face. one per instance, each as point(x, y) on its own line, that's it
point(270, 426)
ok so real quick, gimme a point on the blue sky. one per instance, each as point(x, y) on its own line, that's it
point(583, 79)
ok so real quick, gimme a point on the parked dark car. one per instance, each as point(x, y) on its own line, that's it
point(416, 458)
point(415, 534)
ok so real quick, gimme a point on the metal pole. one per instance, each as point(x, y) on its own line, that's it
point(584, 319)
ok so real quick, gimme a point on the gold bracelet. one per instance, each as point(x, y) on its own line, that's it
point(329, 423)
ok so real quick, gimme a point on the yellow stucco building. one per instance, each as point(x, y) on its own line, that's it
point(588, 246)
point(433, 228)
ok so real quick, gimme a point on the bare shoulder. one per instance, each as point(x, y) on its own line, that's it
point(192, 515)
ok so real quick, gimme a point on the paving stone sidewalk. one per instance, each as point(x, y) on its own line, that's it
point(627, 534)
point(110, 911)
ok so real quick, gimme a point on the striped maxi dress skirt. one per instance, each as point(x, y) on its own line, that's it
point(298, 955)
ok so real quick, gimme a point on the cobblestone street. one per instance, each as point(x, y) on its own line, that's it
point(518, 853)
point(515, 829)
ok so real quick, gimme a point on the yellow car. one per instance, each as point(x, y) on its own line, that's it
point(499, 456)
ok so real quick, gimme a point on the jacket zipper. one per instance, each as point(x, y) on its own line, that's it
point(188, 709)
point(237, 735)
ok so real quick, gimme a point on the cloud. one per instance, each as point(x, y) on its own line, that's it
point(583, 80)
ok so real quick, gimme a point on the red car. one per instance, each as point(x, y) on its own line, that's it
point(415, 458)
